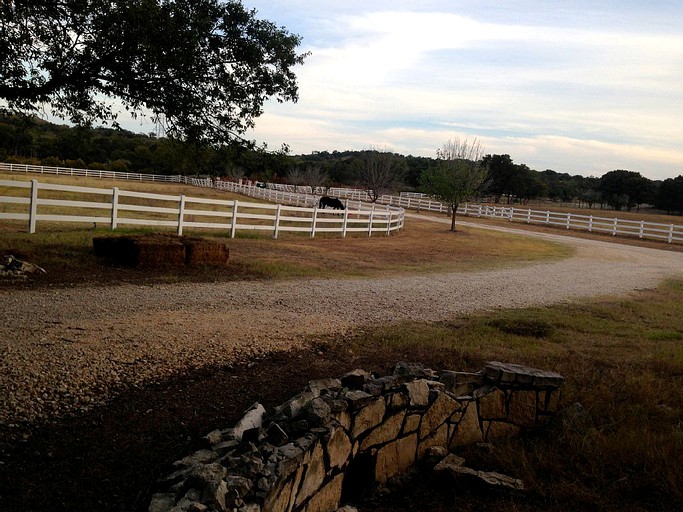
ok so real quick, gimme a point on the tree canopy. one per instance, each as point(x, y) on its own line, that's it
point(201, 68)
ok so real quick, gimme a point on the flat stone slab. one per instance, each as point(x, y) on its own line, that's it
point(519, 375)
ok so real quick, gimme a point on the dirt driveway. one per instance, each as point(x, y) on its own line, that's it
point(91, 341)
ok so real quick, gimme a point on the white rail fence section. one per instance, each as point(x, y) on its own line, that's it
point(89, 173)
point(613, 226)
point(302, 196)
point(34, 202)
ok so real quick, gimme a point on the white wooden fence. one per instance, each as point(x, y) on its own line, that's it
point(672, 233)
point(35, 202)
point(90, 173)
point(613, 226)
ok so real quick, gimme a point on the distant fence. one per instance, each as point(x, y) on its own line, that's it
point(613, 226)
point(670, 233)
point(35, 202)
point(91, 173)
point(303, 196)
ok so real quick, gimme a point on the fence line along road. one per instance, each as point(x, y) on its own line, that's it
point(290, 194)
point(35, 202)
point(611, 225)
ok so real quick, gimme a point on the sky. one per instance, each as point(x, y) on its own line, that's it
point(583, 87)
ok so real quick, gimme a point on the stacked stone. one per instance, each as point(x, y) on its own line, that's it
point(310, 453)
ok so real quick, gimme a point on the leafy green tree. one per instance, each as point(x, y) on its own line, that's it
point(669, 195)
point(459, 175)
point(502, 175)
point(202, 68)
point(625, 189)
point(527, 184)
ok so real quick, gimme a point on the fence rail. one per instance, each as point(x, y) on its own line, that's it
point(35, 202)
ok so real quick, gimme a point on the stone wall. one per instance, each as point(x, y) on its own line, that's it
point(338, 436)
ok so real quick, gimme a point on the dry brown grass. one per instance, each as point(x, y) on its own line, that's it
point(625, 240)
point(422, 247)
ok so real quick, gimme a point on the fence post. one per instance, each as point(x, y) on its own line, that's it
point(569, 220)
point(528, 216)
point(590, 224)
point(114, 208)
point(479, 211)
point(614, 227)
point(547, 217)
point(671, 233)
point(313, 220)
point(33, 207)
point(642, 226)
point(233, 225)
point(181, 214)
point(277, 221)
point(372, 214)
point(346, 219)
point(388, 220)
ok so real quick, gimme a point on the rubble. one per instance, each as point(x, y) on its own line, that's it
point(14, 267)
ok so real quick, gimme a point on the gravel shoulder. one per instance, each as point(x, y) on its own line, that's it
point(66, 350)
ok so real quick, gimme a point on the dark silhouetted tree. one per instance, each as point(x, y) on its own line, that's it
point(201, 68)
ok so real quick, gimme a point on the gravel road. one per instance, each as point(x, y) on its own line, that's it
point(66, 350)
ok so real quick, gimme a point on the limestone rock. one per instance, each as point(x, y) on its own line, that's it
point(508, 373)
point(411, 371)
point(162, 502)
point(252, 419)
point(316, 412)
point(355, 379)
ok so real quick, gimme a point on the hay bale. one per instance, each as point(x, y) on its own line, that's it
point(160, 251)
point(199, 251)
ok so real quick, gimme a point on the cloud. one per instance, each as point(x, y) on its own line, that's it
point(589, 96)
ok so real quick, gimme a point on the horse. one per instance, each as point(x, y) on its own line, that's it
point(332, 202)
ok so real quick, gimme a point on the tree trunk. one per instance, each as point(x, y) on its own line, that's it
point(454, 210)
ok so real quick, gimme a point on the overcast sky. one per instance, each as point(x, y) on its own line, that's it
point(583, 87)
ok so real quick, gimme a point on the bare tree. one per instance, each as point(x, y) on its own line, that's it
point(235, 172)
point(296, 177)
point(316, 177)
point(380, 171)
point(458, 176)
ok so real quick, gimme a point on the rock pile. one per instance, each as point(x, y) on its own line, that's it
point(318, 449)
point(14, 267)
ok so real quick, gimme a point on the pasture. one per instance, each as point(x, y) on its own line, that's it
point(65, 251)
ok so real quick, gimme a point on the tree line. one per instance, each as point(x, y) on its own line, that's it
point(35, 141)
